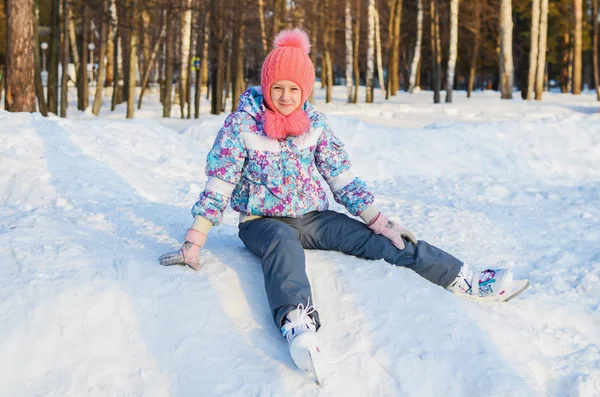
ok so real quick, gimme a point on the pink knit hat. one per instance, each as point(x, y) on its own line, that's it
point(289, 60)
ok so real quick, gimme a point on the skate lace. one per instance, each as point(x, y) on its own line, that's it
point(304, 322)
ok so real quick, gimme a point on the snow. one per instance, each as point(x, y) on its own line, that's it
point(88, 204)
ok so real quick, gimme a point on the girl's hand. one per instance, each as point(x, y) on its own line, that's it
point(188, 254)
point(393, 231)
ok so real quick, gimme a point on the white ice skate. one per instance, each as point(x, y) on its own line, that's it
point(300, 330)
point(493, 285)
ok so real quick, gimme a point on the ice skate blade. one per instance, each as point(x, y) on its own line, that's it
point(518, 286)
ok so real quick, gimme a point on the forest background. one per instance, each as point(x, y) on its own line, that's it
point(190, 48)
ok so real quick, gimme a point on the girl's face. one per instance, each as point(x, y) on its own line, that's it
point(286, 96)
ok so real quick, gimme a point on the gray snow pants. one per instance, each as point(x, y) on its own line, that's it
point(280, 244)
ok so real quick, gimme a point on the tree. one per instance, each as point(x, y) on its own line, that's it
point(453, 49)
point(541, 61)
point(53, 56)
point(184, 60)
point(326, 60)
point(237, 55)
point(533, 51)
point(356, 52)
point(395, 18)
point(506, 59)
point(82, 78)
point(595, 47)
point(436, 56)
point(217, 56)
point(64, 80)
point(102, 51)
point(370, 50)
point(476, 42)
point(20, 61)
point(349, 58)
point(577, 49)
point(416, 62)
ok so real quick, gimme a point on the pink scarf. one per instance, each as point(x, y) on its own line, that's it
point(278, 126)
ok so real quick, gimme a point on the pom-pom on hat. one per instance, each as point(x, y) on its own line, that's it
point(289, 60)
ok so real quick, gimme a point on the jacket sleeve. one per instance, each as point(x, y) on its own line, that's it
point(224, 165)
point(333, 164)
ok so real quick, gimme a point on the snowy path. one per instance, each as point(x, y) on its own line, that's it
point(87, 205)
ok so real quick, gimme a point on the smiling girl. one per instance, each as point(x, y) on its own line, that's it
point(273, 160)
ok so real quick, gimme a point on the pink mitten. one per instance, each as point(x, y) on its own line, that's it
point(188, 253)
point(394, 232)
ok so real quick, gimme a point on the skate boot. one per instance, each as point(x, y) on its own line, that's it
point(300, 330)
point(489, 285)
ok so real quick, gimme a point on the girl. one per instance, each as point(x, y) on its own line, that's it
point(268, 160)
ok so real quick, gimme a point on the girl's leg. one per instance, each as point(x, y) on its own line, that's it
point(276, 243)
point(330, 230)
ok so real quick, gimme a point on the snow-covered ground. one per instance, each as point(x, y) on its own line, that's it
point(88, 204)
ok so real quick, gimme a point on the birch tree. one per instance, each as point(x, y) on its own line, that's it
point(453, 49)
point(436, 56)
point(20, 68)
point(263, 28)
point(379, 56)
point(370, 50)
point(184, 60)
point(506, 59)
point(356, 52)
point(417, 53)
point(533, 52)
point(476, 44)
point(541, 61)
point(101, 58)
point(131, 72)
point(577, 50)
point(349, 57)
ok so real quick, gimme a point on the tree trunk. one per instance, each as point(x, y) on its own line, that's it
point(133, 37)
point(168, 80)
point(533, 52)
point(416, 62)
point(379, 56)
point(314, 28)
point(476, 39)
point(356, 52)
point(202, 49)
point(506, 59)
point(238, 84)
point(39, 87)
point(149, 63)
point(393, 81)
point(453, 49)
point(565, 64)
point(577, 51)
point(73, 41)
point(327, 64)
point(277, 14)
point(64, 80)
point(217, 56)
point(263, 29)
point(370, 51)
point(541, 61)
point(101, 59)
point(595, 47)
point(184, 60)
point(20, 58)
point(82, 79)
point(349, 57)
point(435, 50)
point(53, 57)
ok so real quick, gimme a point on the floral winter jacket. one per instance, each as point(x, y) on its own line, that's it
point(276, 178)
